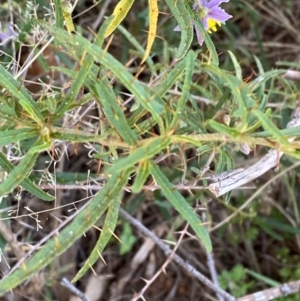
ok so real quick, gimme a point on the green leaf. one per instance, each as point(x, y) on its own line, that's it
point(11, 136)
point(172, 76)
point(115, 115)
point(76, 85)
point(81, 223)
point(86, 62)
point(59, 20)
point(141, 177)
point(152, 103)
point(65, 178)
point(185, 89)
point(138, 46)
point(18, 173)
point(26, 183)
point(180, 13)
point(241, 96)
point(263, 278)
point(266, 227)
point(280, 226)
point(252, 120)
point(224, 129)
point(148, 150)
point(221, 163)
point(180, 204)
point(262, 78)
point(237, 67)
point(3, 208)
point(270, 127)
point(18, 91)
point(21, 171)
point(128, 239)
point(107, 231)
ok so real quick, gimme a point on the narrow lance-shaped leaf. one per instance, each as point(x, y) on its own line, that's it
point(220, 166)
point(67, 9)
point(86, 62)
point(18, 90)
point(81, 223)
point(120, 12)
point(152, 103)
point(222, 128)
point(180, 12)
point(11, 136)
point(270, 126)
point(115, 115)
point(146, 151)
point(262, 78)
point(153, 17)
point(141, 177)
point(106, 233)
point(167, 82)
point(131, 38)
point(26, 183)
point(186, 87)
point(234, 84)
point(181, 205)
point(20, 172)
point(237, 67)
point(262, 106)
point(171, 77)
point(59, 21)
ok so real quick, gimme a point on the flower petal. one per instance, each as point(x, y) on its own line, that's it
point(3, 37)
point(218, 14)
point(199, 36)
point(177, 28)
point(205, 23)
point(8, 35)
point(199, 4)
point(213, 3)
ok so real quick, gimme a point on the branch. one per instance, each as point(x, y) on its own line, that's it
point(292, 75)
point(161, 270)
point(273, 293)
point(11, 240)
point(166, 249)
point(66, 283)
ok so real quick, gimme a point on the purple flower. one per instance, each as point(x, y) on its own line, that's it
point(210, 15)
point(7, 35)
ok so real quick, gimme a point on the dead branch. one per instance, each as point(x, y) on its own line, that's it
point(66, 283)
point(11, 240)
point(167, 250)
point(273, 293)
point(161, 270)
point(292, 75)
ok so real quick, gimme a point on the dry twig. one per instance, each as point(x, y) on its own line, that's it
point(162, 269)
point(65, 282)
point(273, 293)
point(211, 264)
point(292, 75)
point(166, 249)
point(11, 240)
